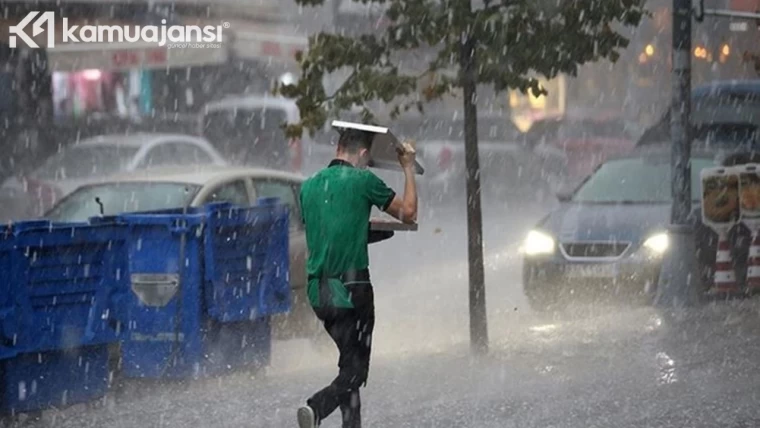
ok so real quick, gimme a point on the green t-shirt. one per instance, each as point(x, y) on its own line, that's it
point(336, 204)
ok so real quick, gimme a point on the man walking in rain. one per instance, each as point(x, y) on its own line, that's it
point(336, 204)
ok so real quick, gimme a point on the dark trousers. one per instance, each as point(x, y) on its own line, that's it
point(351, 329)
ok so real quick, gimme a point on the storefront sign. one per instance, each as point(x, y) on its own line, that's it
point(115, 56)
point(132, 58)
point(275, 43)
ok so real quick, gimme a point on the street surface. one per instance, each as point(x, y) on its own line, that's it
point(596, 367)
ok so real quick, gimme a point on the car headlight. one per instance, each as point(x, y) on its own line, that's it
point(538, 243)
point(657, 243)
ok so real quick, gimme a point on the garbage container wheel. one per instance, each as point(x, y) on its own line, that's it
point(21, 419)
point(100, 403)
point(257, 370)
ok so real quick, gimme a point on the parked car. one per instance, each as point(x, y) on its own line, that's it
point(509, 169)
point(26, 143)
point(96, 157)
point(727, 102)
point(171, 188)
point(608, 236)
point(580, 143)
point(248, 130)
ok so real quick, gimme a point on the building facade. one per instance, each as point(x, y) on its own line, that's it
point(258, 44)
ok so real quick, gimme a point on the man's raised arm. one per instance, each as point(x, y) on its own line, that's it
point(405, 209)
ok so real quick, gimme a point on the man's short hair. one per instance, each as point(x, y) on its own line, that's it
point(352, 140)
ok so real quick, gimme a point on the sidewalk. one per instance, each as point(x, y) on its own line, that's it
point(620, 369)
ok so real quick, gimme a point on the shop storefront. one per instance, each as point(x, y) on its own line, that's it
point(118, 78)
point(138, 78)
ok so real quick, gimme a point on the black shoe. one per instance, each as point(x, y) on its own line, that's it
point(306, 417)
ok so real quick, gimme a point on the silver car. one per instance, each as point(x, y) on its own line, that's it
point(169, 188)
point(89, 160)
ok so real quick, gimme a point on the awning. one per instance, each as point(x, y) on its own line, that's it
point(126, 56)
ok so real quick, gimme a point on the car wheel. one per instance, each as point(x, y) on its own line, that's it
point(541, 297)
point(545, 302)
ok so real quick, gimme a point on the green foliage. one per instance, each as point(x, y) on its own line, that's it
point(515, 40)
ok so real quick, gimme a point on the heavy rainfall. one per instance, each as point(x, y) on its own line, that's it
point(153, 254)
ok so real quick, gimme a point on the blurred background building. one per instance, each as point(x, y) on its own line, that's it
point(261, 38)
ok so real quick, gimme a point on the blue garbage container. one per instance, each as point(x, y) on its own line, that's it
point(202, 282)
point(61, 279)
point(8, 315)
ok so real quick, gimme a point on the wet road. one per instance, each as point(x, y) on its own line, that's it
point(619, 368)
point(601, 367)
point(442, 237)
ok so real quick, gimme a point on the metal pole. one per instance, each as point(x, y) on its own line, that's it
point(681, 109)
point(679, 279)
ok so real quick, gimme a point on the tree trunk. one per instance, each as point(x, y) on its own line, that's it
point(478, 319)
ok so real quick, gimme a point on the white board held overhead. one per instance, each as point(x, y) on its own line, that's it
point(383, 151)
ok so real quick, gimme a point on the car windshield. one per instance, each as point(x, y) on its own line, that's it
point(636, 180)
point(86, 161)
point(122, 197)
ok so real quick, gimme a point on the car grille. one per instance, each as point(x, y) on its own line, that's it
point(595, 250)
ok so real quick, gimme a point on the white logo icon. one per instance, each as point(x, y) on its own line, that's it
point(172, 36)
point(37, 28)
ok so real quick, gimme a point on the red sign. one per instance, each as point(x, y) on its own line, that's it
point(745, 5)
point(271, 49)
point(156, 56)
point(137, 58)
point(125, 58)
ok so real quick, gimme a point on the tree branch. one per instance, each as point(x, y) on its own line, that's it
point(516, 41)
point(343, 86)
